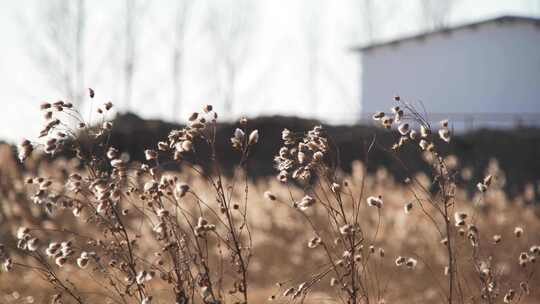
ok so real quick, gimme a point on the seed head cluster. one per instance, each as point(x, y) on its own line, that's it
point(140, 226)
point(301, 156)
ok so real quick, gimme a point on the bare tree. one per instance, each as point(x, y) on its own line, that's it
point(536, 6)
point(313, 33)
point(436, 13)
point(367, 13)
point(323, 75)
point(134, 11)
point(369, 16)
point(181, 19)
point(230, 27)
point(79, 50)
point(59, 50)
point(129, 55)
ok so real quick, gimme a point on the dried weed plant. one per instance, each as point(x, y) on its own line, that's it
point(137, 233)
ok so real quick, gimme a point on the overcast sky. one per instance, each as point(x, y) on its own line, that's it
point(273, 78)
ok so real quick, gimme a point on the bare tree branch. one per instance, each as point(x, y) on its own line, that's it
point(230, 30)
point(313, 28)
point(59, 50)
point(129, 55)
point(436, 13)
point(181, 20)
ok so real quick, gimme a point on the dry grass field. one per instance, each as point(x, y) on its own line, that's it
point(101, 229)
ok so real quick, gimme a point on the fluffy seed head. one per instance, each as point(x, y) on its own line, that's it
point(459, 218)
point(424, 131)
point(400, 261)
point(404, 129)
point(378, 115)
point(408, 207)
point(314, 242)
point(487, 180)
point(253, 137)
point(481, 187)
point(117, 163)
point(524, 286)
point(411, 263)
point(444, 134)
point(509, 296)
point(147, 300)
point(82, 262)
point(162, 212)
point(399, 115)
point(387, 122)
point(22, 232)
point(518, 231)
point(60, 261)
point(45, 106)
point(336, 188)
point(306, 202)
point(375, 201)
point(150, 154)
point(193, 116)
point(288, 292)
point(181, 190)
point(8, 265)
point(523, 259)
point(186, 146)
point(25, 150)
point(269, 195)
point(347, 229)
point(318, 156)
point(32, 244)
point(163, 146)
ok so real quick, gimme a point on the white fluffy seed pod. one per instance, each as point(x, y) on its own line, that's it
point(374, 201)
point(253, 137)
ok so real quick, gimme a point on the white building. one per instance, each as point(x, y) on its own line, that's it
point(480, 74)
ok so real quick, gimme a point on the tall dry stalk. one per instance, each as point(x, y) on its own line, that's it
point(140, 233)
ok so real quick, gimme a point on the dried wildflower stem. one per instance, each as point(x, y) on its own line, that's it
point(131, 262)
point(54, 279)
point(199, 243)
point(112, 282)
point(327, 251)
point(367, 152)
point(235, 241)
point(449, 248)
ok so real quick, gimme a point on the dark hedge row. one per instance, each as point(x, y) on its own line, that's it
point(517, 150)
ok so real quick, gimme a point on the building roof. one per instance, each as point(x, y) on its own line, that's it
point(422, 36)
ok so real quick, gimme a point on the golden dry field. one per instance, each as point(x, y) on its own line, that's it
point(99, 228)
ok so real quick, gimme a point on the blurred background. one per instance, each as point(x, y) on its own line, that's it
point(286, 64)
point(336, 61)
